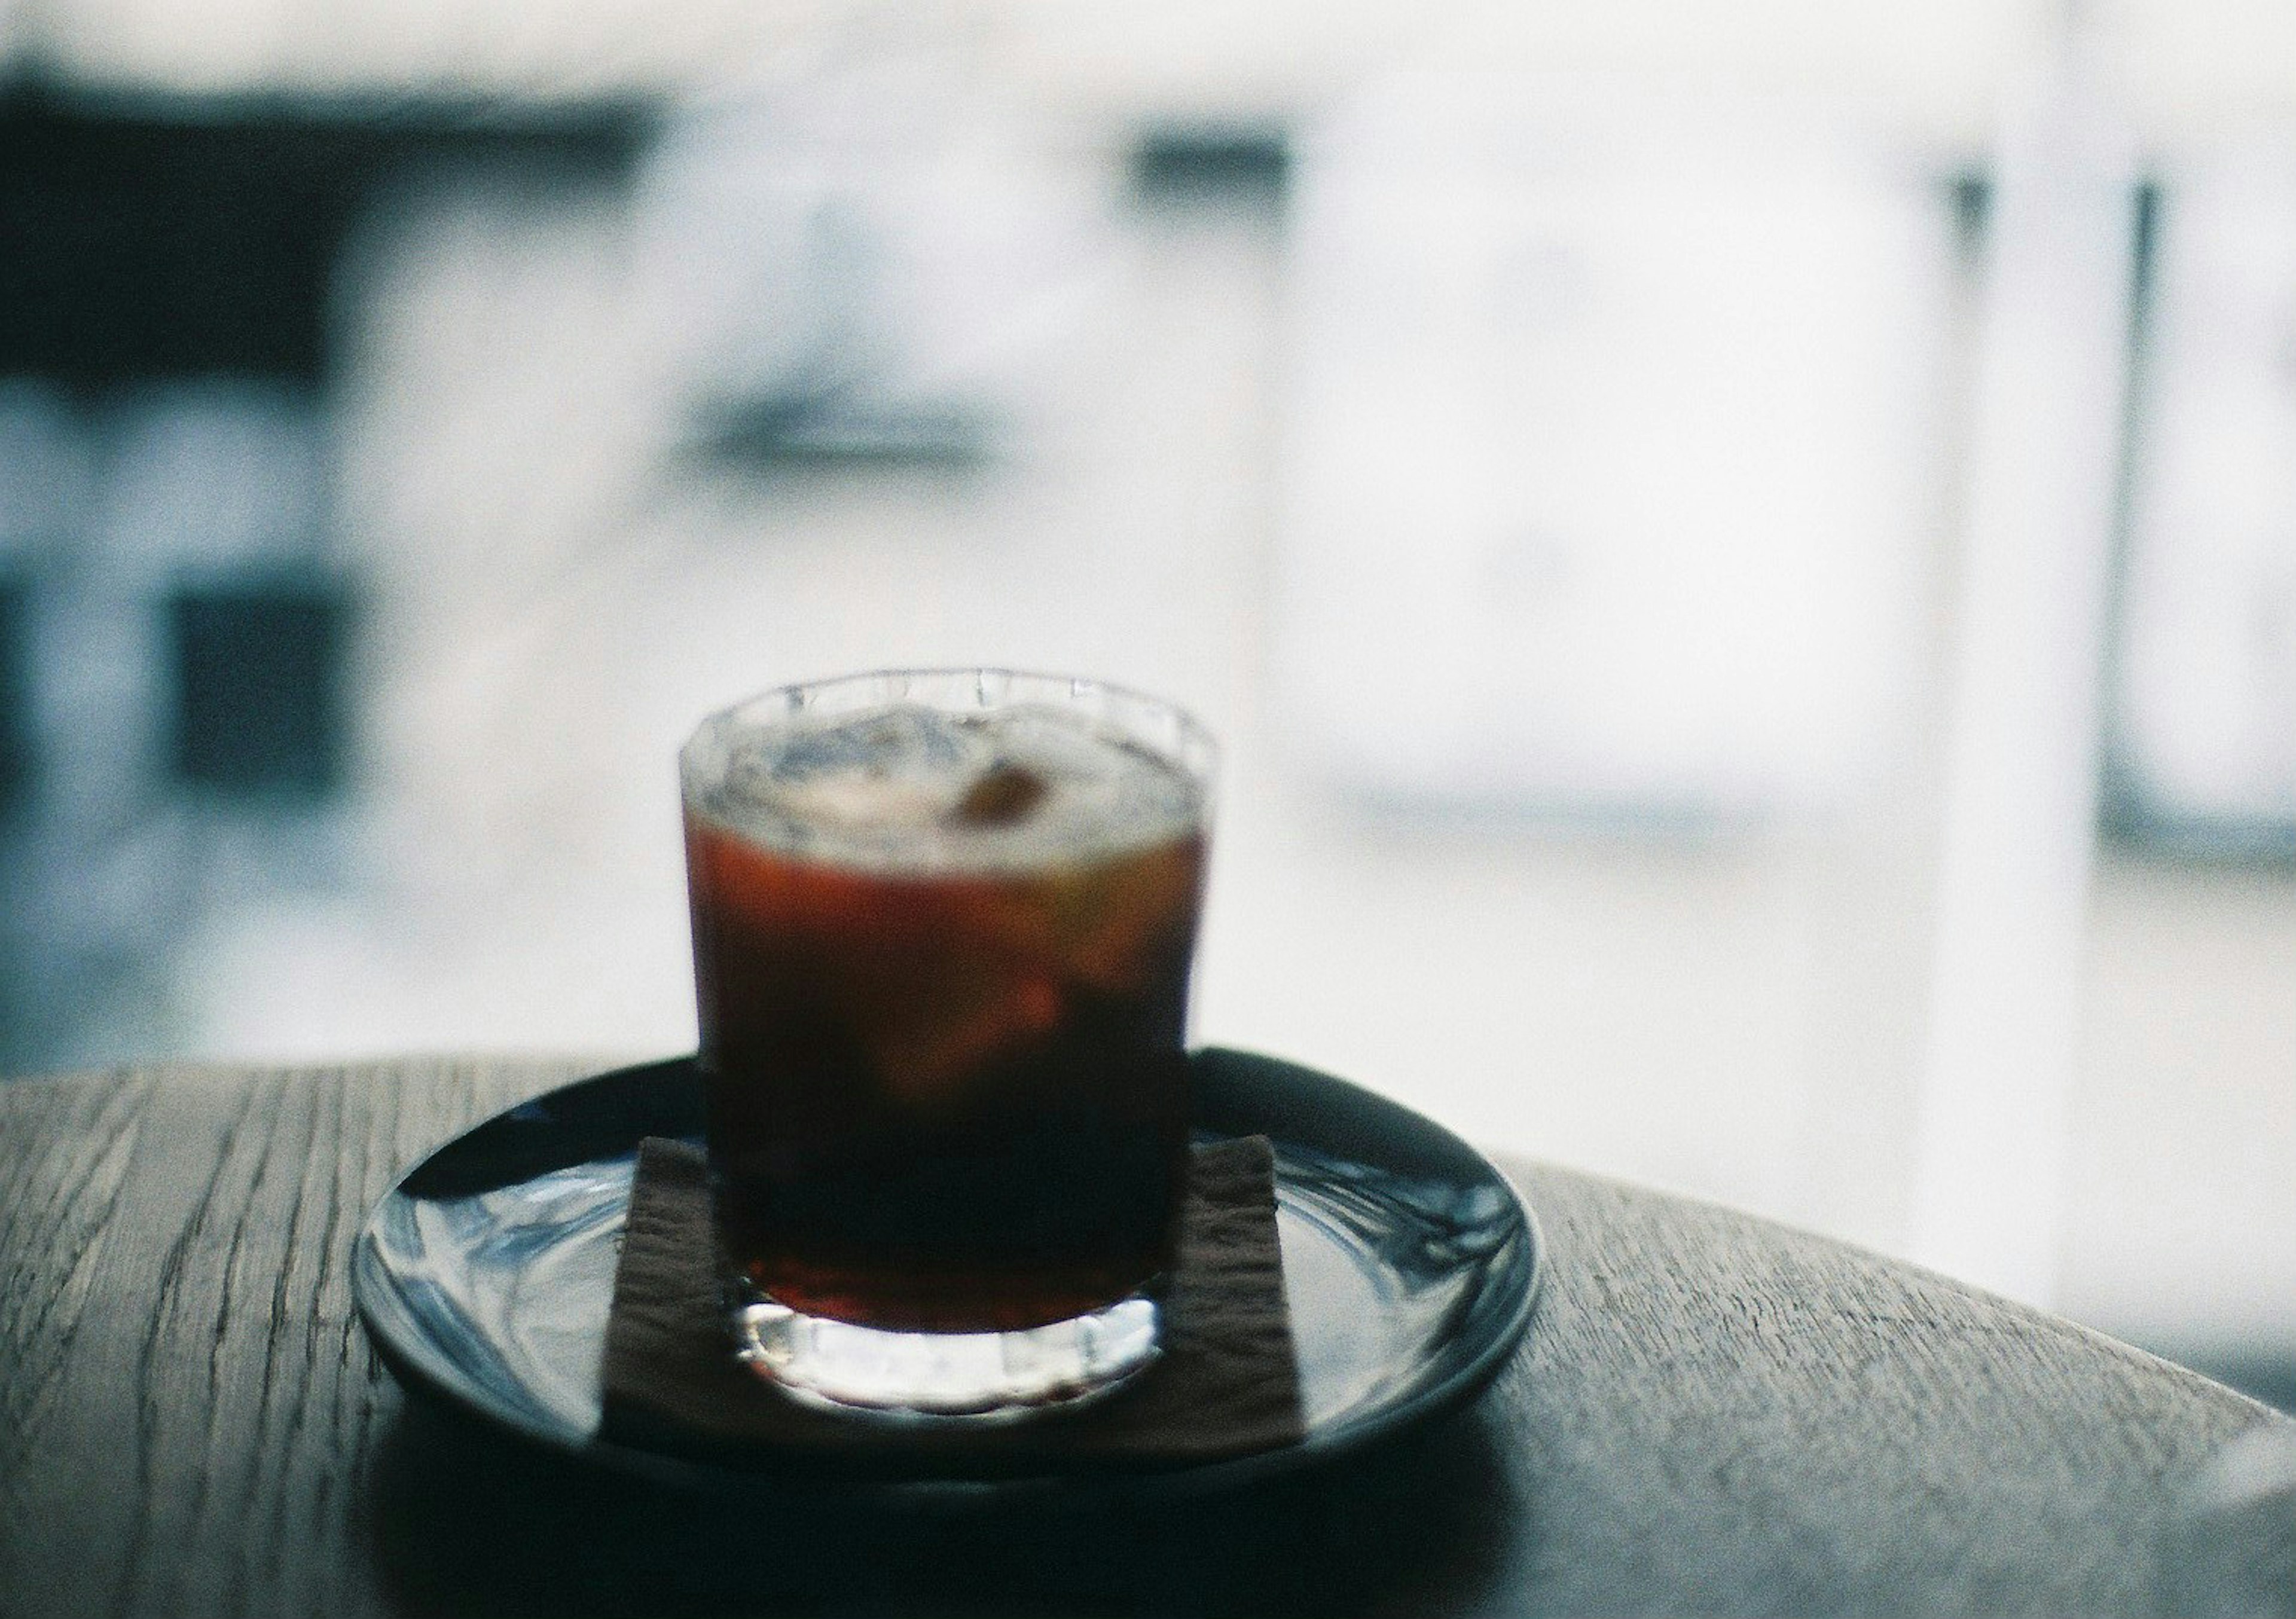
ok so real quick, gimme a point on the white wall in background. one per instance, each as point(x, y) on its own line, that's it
point(1615, 439)
point(1934, 64)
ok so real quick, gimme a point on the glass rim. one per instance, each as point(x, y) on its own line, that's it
point(1193, 747)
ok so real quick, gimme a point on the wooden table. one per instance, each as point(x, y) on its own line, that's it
point(1711, 1414)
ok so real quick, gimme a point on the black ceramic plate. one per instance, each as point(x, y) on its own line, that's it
point(1410, 1264)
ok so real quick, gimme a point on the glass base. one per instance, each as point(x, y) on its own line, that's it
point(975, 1376)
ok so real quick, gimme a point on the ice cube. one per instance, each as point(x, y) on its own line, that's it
point(906, 785)
point(858, 798)
point(912, 742)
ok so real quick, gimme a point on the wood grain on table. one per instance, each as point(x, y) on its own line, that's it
point(1711, 1414)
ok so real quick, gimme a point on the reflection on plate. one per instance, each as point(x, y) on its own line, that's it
point(1410, 1264)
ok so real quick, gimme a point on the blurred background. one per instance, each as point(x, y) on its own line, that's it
point(1744, 557)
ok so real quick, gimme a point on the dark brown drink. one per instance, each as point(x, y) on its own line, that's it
point(938, 1103)
point(943, 967)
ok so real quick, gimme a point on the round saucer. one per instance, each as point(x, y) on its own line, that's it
point(1411, 1268)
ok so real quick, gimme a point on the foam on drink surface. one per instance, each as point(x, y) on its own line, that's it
point(910, 788)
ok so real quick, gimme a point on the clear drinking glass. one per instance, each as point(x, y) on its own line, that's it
point(943, 925)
